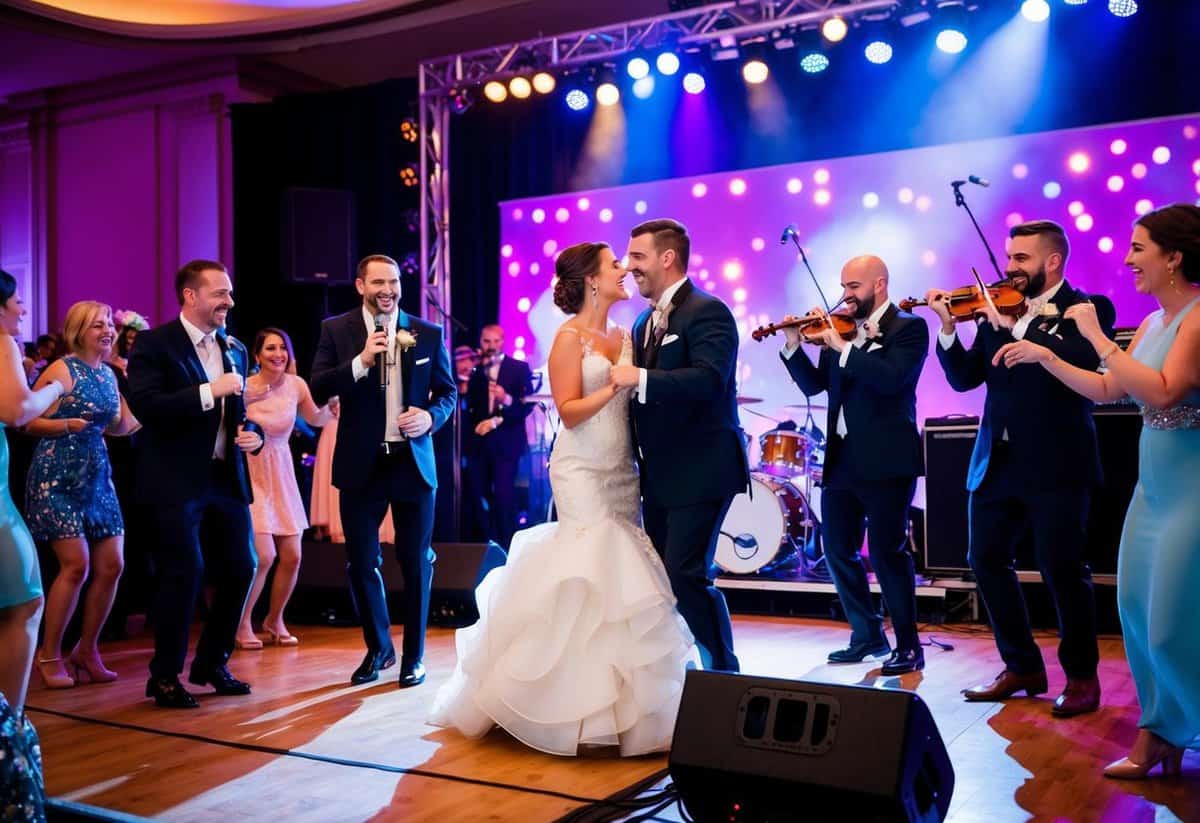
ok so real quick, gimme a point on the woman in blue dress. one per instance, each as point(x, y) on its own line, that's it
point(21, 787)
point(70, 502)
point(1159, 564)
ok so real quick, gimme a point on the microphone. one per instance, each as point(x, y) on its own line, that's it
point(788, 233)
point(381, 358)
point(978, 181)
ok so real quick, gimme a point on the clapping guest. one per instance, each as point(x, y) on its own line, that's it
point(20, 580)
point(274, 396)
point(69, 496)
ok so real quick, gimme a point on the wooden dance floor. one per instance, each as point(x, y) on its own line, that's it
point(308, 746)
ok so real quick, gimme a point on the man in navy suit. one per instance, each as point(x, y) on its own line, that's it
point(496, 414)
point(689, 443)
point(1033, 467)
point(392, 374)
point(185, 386)
point(872, 461)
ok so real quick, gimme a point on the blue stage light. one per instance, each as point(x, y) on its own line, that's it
point(667, 63)
point(1123, 8)
point(577, 100)
point(638, 68)
point(1035, 11)
point(878, 52)
point(643, 87)
point(693, 83)
point(814, 62)
point(951, 41)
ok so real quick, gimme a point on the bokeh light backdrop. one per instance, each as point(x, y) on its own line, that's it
point(899, 205)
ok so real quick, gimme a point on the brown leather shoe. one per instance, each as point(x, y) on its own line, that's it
point(1006, 685)
point(1079, 697)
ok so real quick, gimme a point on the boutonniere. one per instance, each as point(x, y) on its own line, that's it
point(871, 331)
point(405, 339)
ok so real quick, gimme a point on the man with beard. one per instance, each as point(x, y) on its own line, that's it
point(1033, 466)
point(391, 372)
point(872, 461)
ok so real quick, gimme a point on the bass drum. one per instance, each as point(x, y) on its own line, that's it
point(767, 531)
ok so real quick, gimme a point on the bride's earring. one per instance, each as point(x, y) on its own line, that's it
point(595, 296)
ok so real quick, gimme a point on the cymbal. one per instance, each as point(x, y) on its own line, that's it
point(743, 400)
point(813, 406)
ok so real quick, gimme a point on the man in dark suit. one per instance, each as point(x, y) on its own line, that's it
point(690, 448)
point(873, 459)
point(496, 412)
point(1033, 467)
point(185, 386)
point(392, 374)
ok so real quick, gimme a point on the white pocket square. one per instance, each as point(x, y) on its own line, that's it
point(422, 361)
point(874, 347)
point(670, 338)
point(1053, 329)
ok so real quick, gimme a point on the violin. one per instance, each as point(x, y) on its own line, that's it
point(812, 327)
point(967, 302)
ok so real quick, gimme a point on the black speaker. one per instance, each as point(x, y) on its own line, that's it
point(948, 445)
point(318, 235)
point(764, 749)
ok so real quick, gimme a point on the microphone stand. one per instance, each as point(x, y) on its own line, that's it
point(804, 257)
point(961, 202)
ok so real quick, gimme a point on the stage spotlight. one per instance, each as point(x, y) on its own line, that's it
point(544, 82)
point(952, 28)
point(1123, 8)
point(667, 63)
point(461, 100)
point(951, 41)
point(409, 266)
point(410, 176)
point(755, 72)
point(577, 100)
point(638, 68)
point(724, 48)
point(643, 87)
point(410, 219)
point(693, 82)
point(520, 88)
point(408, 130)
point(607, 94)
point(814, 62)
point(495, 91)
point(1035, 11)
point(834, 29)
point(878, 52)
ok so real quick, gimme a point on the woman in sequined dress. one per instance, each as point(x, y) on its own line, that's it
point(1159, 563)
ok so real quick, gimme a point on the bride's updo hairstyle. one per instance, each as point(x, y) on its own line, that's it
point(1177, 229)
point(574, 265)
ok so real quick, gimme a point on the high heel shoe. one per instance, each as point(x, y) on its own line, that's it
point(95, 669)
point(54, 680)
point(281, 639)
point(252, 644)
point(1128, 769)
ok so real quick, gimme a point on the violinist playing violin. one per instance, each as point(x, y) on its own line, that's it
point(873, 458)
point(1034, 463)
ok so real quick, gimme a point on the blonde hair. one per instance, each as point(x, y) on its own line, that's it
point(79, 318)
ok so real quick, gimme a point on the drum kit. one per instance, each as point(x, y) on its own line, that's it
point(774, 529)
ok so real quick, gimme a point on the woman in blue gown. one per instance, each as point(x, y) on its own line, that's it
point(21, 787)
point(1159, 563)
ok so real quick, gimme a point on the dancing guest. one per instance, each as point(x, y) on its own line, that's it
point(70, 501)
point(274, 396)
point(1158, 569)
point(873, 462)
point(22, 791)
point(1034, 464)
point(186, 383)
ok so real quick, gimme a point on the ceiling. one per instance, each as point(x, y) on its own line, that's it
point(338, 44)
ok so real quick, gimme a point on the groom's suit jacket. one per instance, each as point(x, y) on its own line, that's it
point(689, 441)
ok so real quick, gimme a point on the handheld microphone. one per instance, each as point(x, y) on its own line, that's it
point(788, 233)
point(381, 358)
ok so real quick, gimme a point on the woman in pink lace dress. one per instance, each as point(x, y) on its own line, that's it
point(273, 399)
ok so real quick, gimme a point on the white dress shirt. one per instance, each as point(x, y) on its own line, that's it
point(860, 340)
point(661, 309)
point(394, 396)
point(209, 353)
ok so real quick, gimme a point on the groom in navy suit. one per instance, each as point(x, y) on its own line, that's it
point(392, 373)
point(873, 459)
point(1033, 467)
point(689, 443)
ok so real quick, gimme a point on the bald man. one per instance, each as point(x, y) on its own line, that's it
point(872, 461)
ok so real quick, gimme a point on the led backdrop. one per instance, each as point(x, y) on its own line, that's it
point(899, 205)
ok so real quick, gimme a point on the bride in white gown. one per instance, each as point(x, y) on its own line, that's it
point(578, 641)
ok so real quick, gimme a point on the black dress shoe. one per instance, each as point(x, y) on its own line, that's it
point(222, 681)
point(856, 652)
point(903, 661)
point(169, 693)
point(372, 664)
point(412, 674)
